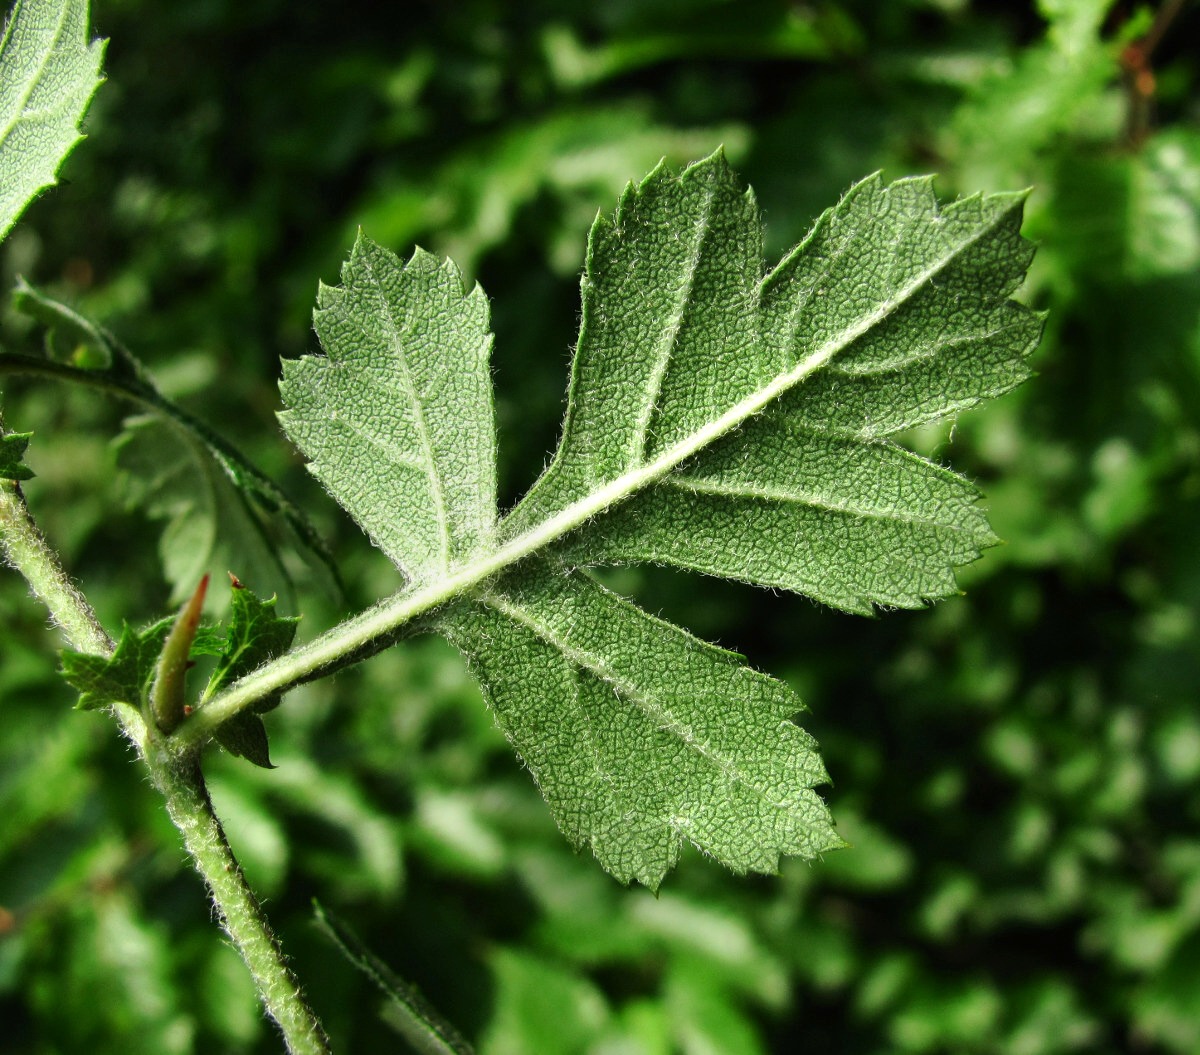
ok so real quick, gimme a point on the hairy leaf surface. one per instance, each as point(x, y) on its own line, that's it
point(396, 418)
point(721, 417)
point(48, 75)
point(640, 735)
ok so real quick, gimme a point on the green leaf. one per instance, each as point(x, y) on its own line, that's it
point(540, 1005)
point(12, 450)
point(221, 511)
point(255, 635)
point(125, 676)
point(891, 313)
point(48, 75)
point(720, 417)
point(640, 735)
point(410, 1014)
point(396, 418)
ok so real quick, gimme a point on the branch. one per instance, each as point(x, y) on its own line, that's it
point(179, 779)
point(176, 774)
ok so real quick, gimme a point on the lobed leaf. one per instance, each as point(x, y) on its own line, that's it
point(256, 634)
point(396, 417)
point(720, 417)
point(640, 735)
point(750, 414)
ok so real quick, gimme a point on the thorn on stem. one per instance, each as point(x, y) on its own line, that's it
point(167, 692)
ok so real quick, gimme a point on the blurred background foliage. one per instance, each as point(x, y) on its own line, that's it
point(1018, 769)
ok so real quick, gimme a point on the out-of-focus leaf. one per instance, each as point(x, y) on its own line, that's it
point(1049, 90)
point(410, 1014)
point(109, 938)
point(256, 832)
point(540, 1006)
point(221, 512)
point(227, 1000)
point(574, 156)
point(1133, 216)
point(368, 836)
point(1165, 1008)
point(211, 525)
point(705, 1019)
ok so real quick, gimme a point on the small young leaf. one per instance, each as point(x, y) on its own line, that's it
point(720, 417)
point(124, 677)
point(255, 635)
point(12, 450)
point(48, 75)
point(245, 736)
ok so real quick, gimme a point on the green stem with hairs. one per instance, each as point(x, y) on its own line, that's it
point(176, 773)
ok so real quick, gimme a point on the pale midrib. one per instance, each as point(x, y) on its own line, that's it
point(378, 622)
point(646, 704)
point(35, 79)
point(666, 347)
point(410, 390)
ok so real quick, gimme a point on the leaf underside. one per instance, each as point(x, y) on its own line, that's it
point(48, 75)
point(720, 418)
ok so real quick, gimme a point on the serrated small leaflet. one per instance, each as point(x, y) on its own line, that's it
point(721, 416)
point(12, 451)
point(255, 634)
point(125, 676)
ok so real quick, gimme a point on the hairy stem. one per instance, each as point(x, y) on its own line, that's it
point(27, 552)
point(179, 779)
point(177, 775)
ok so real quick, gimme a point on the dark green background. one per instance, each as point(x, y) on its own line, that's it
point(1018, 769)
